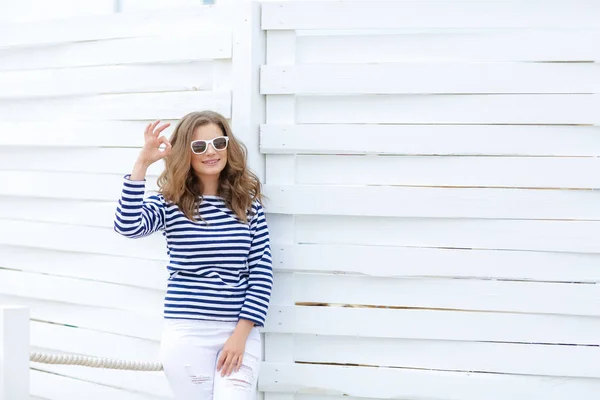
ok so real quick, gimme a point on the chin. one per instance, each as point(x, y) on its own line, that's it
point(211, 173)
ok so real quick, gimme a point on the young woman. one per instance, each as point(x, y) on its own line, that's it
point(220, 272)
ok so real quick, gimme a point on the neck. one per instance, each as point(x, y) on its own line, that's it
point(210, 185)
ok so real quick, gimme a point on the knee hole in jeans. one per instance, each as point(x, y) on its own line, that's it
point(198, 379)
point(242, 379)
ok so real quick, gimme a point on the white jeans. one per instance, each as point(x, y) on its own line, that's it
point(189, 351)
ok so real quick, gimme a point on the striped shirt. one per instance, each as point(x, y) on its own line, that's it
point(219, 267)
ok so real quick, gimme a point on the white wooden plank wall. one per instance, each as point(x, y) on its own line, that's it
point(39, 10)
point(75, 96)
point(431, 168)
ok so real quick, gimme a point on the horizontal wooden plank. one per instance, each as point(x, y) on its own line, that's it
point(36, 10)
point(449, 109)
point(449, 294)
point(66, 237)
point(119, 322)
point(408, 383)
point(449, 45)
point(61, 211)
point(396, 201)
point(312, 396)
point(561, 236)
point(98, 267)
point(74, 159)
point(76, 133)
point(169, 47)
point(92, 28)
point(547, 360)
point(433, 325)
point(440, 171)
point(189, 76)
point(53, 386)
point(496, 140)
point(417, 78)
point(144, 106)
point(146, 382)
point(430, 262)
point(135, 6)
point(323, 397)
point(59, 185)
point(332, 15)
point(80, 291)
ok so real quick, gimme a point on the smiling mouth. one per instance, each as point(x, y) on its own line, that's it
point(211, 162)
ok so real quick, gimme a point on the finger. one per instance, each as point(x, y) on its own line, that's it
point(224, 360)
point(221, 361)
point(167, 149)
point(162, 128)
point(231, 366)
point(150, 128)
point(147, 129)
point(235, 364)
point(239, 363)
point(154, 125)
point(164, 141)
point(227, 365)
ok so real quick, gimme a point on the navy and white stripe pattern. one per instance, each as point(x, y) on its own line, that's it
point(220, 268)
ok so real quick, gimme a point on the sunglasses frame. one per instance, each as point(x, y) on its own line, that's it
point(211, 143)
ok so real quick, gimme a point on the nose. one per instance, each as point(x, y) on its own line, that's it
point(210, 149)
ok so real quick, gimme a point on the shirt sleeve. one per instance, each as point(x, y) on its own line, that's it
point(136, 217)
point(260, 281)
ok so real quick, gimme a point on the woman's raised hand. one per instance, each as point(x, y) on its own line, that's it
point(151, 152)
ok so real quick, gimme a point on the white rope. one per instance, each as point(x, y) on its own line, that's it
point(94, 362)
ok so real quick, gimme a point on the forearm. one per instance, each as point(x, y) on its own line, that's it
point(135, 217)
point(139, 170)
point(243, 327)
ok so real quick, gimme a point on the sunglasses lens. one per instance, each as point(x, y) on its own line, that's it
point(220, 143)
point(199, 146)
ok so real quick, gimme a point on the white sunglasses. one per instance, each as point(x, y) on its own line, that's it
point(218, 143)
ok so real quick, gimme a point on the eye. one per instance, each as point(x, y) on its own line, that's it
point(199, 146)
point(220, 143)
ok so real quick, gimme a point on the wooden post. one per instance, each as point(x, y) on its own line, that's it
point(281, 170)
point(14, 353)
point(248, 105)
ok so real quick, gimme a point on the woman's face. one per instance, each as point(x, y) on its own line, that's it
point(212, 161)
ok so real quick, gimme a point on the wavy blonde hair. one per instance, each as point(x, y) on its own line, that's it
point(178, 183)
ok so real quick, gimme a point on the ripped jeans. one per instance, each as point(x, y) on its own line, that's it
point(189, 352)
